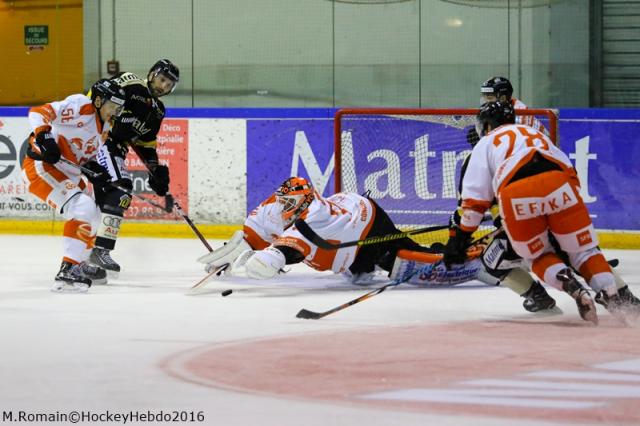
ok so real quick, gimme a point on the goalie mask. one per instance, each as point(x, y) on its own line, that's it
point(294, 197)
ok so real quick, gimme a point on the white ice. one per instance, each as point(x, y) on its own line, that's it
point(102, 350)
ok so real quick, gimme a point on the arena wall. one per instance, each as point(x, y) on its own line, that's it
point(225, 161)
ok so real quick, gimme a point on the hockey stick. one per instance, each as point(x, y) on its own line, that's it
point(317, 240)
point(168, 208)
point(216, 271)
point(471, 250)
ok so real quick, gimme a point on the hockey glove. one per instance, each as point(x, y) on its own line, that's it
point(117, 149)
point(456, 249)
point(49, 150)
point(472, 136)
point(159, 180)
point(100, 176)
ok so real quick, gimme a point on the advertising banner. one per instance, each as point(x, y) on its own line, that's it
point(605, 150)
point(173, 151)
point(416, 180)
point(15, 199)
point(278, 149)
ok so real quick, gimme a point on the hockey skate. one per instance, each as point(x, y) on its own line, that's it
point(586, 307)
point(102, 258)
point(360, 278)
point(537, 299)
point(620, 308)
point(631, 301)
point(70, 279)
point(97, 275)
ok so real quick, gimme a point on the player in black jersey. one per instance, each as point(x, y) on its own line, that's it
point(137, 127)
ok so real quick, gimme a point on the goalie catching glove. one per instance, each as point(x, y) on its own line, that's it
point(260, 264)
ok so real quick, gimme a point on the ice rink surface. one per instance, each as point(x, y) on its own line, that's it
point(455, 356)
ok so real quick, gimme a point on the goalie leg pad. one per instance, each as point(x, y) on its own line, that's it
point(408, 262)
point(226, 254)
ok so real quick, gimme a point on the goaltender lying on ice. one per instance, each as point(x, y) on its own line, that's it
point(270, 240)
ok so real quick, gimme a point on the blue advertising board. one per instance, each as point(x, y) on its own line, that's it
point(603, 144)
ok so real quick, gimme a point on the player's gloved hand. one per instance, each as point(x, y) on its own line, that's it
point(159, 180)
point(100, 176)
point(472, 136)
point(49, 149)
point(454, 218)
point(456, 249)
point(117, 149)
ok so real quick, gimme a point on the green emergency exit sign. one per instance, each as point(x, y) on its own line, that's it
point(36, 35)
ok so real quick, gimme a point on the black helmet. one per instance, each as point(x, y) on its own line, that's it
point(166, 67)
point(495, 114)
point(497, 86)
point(108, 90)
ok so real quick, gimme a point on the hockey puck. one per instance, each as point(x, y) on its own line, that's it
point(226, 293)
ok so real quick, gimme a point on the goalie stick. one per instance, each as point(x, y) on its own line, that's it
point(317, 240)
point(216, 271)
point(471, 251)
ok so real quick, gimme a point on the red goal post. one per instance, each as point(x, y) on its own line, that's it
point(408, 160)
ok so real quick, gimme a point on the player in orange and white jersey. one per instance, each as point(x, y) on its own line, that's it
point(538, 193)
point(270, 241)
point(73, 129)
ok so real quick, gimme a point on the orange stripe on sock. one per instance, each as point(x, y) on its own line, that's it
point(594, 265)
point(78, 230)
point(542, 263)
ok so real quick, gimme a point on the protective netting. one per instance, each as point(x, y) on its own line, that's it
point(409, 163)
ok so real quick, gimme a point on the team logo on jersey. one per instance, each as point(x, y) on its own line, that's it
point(530, 207)
point(584, 238)
point(535, 245)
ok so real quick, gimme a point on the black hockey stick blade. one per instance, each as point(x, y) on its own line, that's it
point(317, 240)
point(306, 314)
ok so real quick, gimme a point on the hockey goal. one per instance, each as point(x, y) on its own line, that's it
point(409, 160)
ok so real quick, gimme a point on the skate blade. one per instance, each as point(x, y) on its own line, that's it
point(112, 275)
point(65, 287)
point(548, 312)
point(101, 281)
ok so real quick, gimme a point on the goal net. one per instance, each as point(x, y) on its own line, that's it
point(409, 160)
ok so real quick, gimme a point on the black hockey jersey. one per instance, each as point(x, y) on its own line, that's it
point(139, 123)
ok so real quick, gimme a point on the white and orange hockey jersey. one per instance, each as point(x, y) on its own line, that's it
point(75, 125)
point(340, 217)
point(495, 159)
point(527, 120)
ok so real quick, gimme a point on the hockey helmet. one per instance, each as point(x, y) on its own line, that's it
point(498, 87)
point(494, 114)
point(109, 90)
point(294, 197)
point(166, 68)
